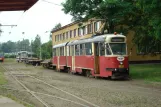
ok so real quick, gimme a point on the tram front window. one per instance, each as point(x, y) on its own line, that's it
point(118, 48)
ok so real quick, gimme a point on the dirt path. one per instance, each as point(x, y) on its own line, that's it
point(99, 92)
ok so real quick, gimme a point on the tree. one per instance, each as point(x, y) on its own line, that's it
point(141, 16)
point(8, 47)
point(36, 45)
point(57, 26)
point(47, 50)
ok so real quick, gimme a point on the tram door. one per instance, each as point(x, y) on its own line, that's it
point(73, 58)
point(66, 51)
point(96, 57)
point(58, 53)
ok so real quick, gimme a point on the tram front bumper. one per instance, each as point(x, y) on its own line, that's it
point(117, 69)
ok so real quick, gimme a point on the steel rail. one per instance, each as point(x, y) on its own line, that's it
point(94, 105)
point(39, 99)
point(47, 95)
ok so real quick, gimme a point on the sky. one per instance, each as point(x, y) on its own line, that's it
point(38, 20)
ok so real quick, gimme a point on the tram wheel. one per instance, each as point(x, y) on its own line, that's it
point(68, 70)
point(88, 73)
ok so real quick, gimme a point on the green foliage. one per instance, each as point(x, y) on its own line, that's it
point(57, 26)
point(47, 50)
point(141, 16)
point(9, 56)
point(36, 46)
point(9, 46)
point(25, 45)
point(147, 72)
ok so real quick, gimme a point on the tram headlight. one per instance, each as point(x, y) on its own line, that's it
point(115, 69)
point(121, 63)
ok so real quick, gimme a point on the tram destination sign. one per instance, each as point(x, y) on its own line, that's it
point(117, 39)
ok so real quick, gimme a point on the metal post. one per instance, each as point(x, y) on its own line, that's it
point(31, 48)
point(40, 49)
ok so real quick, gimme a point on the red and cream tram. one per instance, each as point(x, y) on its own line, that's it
point(99, 56)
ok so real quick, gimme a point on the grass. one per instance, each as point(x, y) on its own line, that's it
point(9, 59)
point(3, 81)
point(19, 101)
point(2, 77)
point(147, 72)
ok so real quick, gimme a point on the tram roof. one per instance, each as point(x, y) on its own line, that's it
point(99, 38)
point(60, 45)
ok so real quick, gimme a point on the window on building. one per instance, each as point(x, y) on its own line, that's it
point(96, 26)
point(71, 34)
point(55, 38)
point(75, 30)
point(58, 37)
point(90, 28)
point(79, 31)
point(148, 48)
point(84, 30)
point(66, 35)
point(63, 36)
point(141, 49)
point(88, 48)
point(159, 48)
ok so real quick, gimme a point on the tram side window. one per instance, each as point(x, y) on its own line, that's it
point(108, 52)
point(61, 51)
point(57, 51)
point(77, 49)
point(102, 49)
point(54, 52)
point(71, 51)
point(81, 49)
point(88, 48)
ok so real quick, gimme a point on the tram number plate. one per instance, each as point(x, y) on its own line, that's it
point(121, 66)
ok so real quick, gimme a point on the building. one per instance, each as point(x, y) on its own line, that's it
point(81, 30)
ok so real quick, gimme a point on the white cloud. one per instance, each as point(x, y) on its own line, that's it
point(40, 18)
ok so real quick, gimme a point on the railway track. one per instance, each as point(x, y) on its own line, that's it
point(80, 101)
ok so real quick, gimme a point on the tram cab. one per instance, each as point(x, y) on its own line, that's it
point(111, 57)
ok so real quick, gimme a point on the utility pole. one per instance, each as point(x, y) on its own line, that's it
point(40, 49)
point(31, 48)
